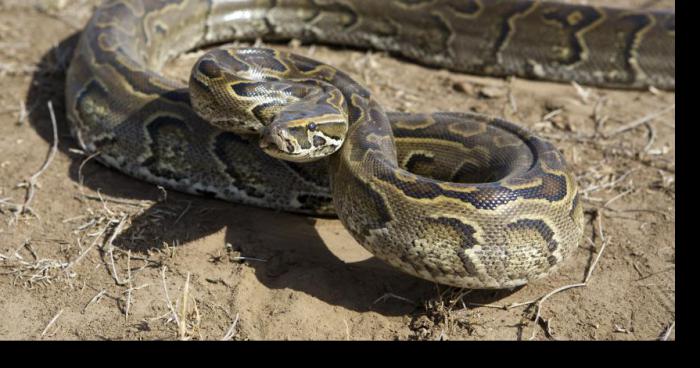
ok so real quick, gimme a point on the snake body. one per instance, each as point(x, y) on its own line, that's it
point(457, 198)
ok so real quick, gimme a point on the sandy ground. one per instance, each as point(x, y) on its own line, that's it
point(104, 256)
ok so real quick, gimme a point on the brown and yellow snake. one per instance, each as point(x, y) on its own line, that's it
point(458, 198)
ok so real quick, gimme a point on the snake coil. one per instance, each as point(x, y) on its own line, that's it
point(458, 198)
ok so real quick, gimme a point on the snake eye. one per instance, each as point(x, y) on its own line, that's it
point(312, 127)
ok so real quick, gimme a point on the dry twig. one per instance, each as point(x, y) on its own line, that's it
point(667, 332)
point(640, 121)
point(53, 320)
point(566, 287)
point(182, 326)
point(231, 331)
point(95, 299)
point(167, 297)
point(32, 182)
point(110, 249)
point(392, 295)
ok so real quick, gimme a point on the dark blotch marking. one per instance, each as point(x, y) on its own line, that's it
point(104, 142)
point(199, 84)
point(259, 110)
point(139, 80)
point(319, 141)
point(303, 64)
point(445, 32)
point(489, 196)
point(466, 239)
point(372, 209)
point(291, 115)
point(163, 122)
point(238, 174)
point(155, 129)
point(419, 164)
point(95, 93)
point(466, 232)
point(311, 202)
point(244, 88)
point(152, 6)
point(224, 58)
point(160, 29)
point(480, 173)
point(263, 58)
point(377, 115)
point(209, 68)
point(354, 112)
point(309, 172)
point(415, 2)
point(560, 15)
point(574, 205)
point(670, 23)
point(636, 22)
point(300, 136)
point(180, 95)
point(464, 7)
point(335, 8)
point(506, 30)
point(390, 28)
point(290, 146)
point(539, 226)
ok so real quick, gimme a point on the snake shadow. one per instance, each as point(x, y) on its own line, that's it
point(296, 257)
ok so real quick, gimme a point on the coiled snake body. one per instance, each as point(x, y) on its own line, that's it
point(457, 198)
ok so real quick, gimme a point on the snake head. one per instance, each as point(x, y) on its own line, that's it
point(304, 135)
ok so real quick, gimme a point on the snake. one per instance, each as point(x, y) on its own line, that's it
point(456, 198)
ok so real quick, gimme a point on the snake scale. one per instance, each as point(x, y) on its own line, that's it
point(457, 198)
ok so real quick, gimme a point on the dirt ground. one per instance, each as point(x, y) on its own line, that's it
point(98, 255)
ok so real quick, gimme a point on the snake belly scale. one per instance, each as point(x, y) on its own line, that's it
point(457, 198)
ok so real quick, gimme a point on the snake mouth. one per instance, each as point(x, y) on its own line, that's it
point(279, 144)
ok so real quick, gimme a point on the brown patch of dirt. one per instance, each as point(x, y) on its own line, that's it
point(67, 273)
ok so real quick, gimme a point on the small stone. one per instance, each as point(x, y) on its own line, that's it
point(493, 92)
point(464, 87)
point(561, 122)
point(422, 322)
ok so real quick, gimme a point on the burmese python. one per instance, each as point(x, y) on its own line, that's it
point(457, 198)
